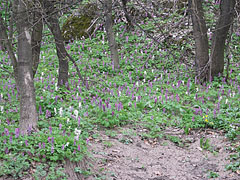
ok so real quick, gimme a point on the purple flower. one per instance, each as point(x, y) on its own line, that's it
point(26, 143)
point(52, 149)
point(10, 139)
point(6, 150)
point(177, 98)
point(60, 126)
point(79, 148)
point(63, 147)
point(6, 131)
point(50, 129)
point(49, 139)
point(39, 145)
point(40, 109)
point(79, 121)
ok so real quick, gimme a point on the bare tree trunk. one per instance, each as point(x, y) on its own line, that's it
point(36, 36)
point(124, 3)
point(110, 33)
point(201, 39)
point(28, 111)
point(5, 41)
point(220, 35)
point(53, 24)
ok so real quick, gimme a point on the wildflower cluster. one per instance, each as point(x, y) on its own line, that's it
point(206, 120)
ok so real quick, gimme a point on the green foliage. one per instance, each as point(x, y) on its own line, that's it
point(235, 162)
point(212, 174)
point(14, 165)
point(152, 89)
point(204, 143)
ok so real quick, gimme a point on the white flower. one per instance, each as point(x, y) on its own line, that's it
point(80, 105)
point(220, 98)
point(77, 132)
point(61, 111)
point(67, 144)
point(226, 101)
point(76, 113)
point(55, 110)
point(67, 120)
point(56, 87)
point(1, 108)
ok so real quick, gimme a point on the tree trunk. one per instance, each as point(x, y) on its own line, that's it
point(220, 35)
point(201, 39)
point(28, 111)
point(36, 38)
point(124, 4)
point(110, 34)
point(53, 24)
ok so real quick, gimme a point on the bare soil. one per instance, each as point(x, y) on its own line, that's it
point(124, 154)
point(127, 156)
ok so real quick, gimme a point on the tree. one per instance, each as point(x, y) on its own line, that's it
point(22, 65)
point(36, 34)
point(110, 34)
point(53, 24)
point(208, 67)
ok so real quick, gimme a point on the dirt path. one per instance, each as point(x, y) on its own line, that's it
point(125, 156)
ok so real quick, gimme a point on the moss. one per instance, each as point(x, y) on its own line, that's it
point(76, 26)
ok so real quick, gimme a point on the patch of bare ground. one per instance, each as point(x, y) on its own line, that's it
point(126, 156)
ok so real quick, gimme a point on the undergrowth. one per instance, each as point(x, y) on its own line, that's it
point(151, 88)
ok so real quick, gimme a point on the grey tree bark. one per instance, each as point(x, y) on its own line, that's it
point(53, 24)
point(220, 35)
point(209, 67)
point(24, 74)
point(110, 34)
point(36, 35)
point(201, 39)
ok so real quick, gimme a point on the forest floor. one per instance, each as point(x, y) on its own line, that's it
point(123, 154)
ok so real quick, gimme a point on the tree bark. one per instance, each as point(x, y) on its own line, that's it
point(5, 41)
point(53, 25)
point(36, 37)
point(110, 34)
point(220, 35)
point(28, 111)
point(124, 4)
point(201, 39)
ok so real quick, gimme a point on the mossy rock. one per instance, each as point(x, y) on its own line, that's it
point(76, 26)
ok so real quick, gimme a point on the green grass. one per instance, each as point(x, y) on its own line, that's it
point(152, 89)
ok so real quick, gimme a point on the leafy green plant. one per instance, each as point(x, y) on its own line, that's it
point(14, 165)
point(212, 174)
